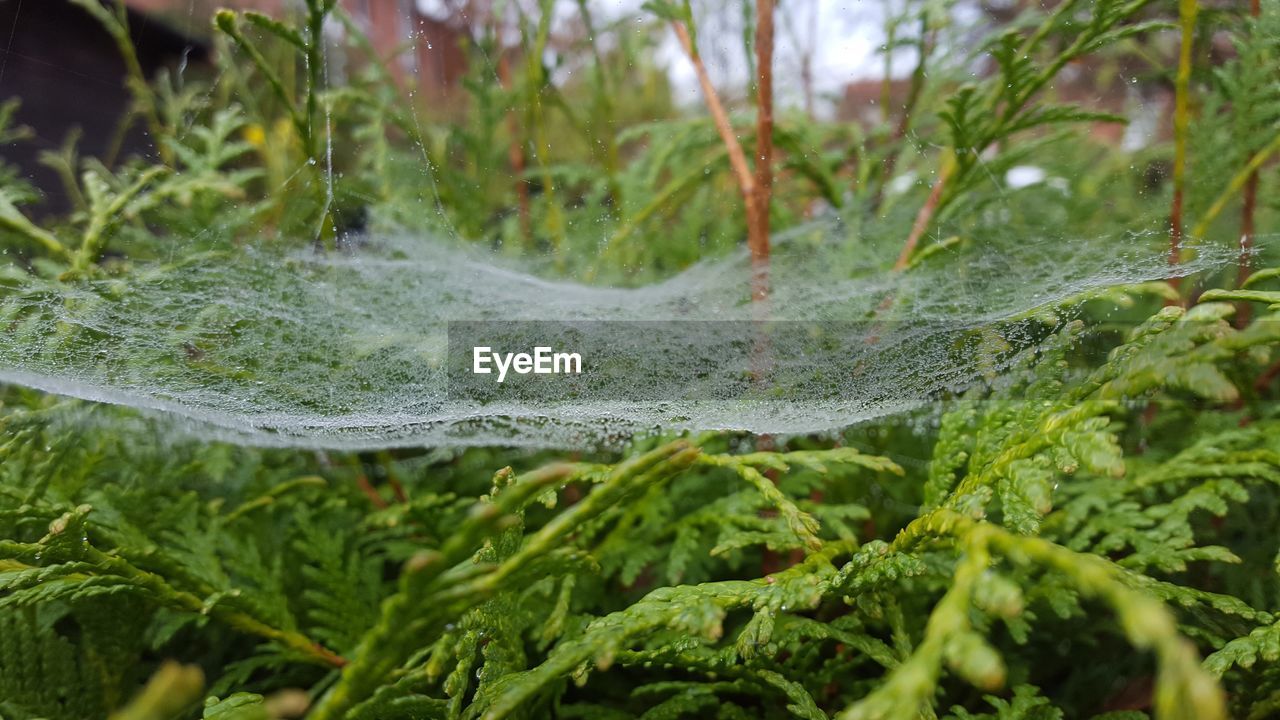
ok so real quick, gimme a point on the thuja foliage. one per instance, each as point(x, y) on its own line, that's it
point(1087, 534)
point(1058, 519)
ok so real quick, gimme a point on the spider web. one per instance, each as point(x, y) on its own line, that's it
point(350, 349)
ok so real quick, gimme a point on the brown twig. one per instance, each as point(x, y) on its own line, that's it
point(756, 186)
point(737, 160)
point(1187, 10)
point(366, 487)
point(387, 462)
point(923, 218)
point(758, 230)
point(1244, 310)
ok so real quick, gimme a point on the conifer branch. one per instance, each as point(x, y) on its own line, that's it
point(67, 543)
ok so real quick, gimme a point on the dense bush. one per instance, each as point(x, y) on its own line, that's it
point(1091, 533)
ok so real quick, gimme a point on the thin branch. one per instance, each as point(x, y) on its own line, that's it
point(12, 220)
point(758, 230)
point(227, 22)
point(925, 216)
point(1187, 10)
point(1009, 109)
point(1241, 180)
point(737, 159)
point(756, 186)
point(1247, 211)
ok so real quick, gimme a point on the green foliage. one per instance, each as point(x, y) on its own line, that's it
point(1077, 533)
point(988, 114)
point(561, 582)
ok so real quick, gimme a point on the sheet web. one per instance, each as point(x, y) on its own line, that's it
point(347, 349)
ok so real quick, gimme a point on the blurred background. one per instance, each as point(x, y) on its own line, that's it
point(576, 130)
point(838, 61)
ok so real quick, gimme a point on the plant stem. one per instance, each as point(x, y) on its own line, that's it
point(316, 12)
point(48, 552)
point(227, 22)
point(737, 160)
point(1241, 180)
point(1187, 10)
point(925, 216)
point(105, 215)
point(1008, 110)
point(758, 230)
point(756, 187)
point(15, 222)
point(1247, 210)
point(758, 211)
